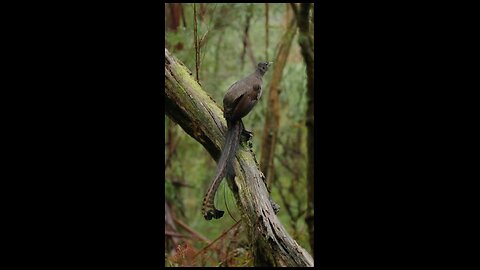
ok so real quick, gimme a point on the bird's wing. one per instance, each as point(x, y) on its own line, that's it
point(229, 107)
point(233, 93)
point(244, 104)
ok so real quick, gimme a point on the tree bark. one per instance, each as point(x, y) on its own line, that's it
point(272, 122)
point(305, 41)
point(196, 112)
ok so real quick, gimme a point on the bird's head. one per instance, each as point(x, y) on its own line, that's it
point(263, 67)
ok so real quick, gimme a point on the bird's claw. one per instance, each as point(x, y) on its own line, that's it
point(247, 134)
point(214, 213)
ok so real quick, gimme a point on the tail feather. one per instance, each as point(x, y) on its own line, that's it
point(229, 150)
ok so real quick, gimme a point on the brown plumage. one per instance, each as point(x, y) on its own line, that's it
point(239, 100)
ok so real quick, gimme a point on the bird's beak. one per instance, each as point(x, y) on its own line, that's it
point(270, 63)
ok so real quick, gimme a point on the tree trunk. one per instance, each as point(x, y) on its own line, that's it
point(270, 130)
point(266, 31)
point(176, 11)
point(175, 14)
point(196, 112)
point(246, 40)
point(305, 41)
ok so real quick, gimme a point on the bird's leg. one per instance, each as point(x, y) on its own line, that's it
point(247, 135)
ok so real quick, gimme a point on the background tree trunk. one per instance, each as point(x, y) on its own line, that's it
point(197, 113)
point(176, 11)
point(272, 115)
point(305, 41)
point(195, 39)
point(266, 31)
point(247, 45)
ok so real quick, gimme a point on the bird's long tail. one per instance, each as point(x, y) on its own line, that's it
point(232, 141)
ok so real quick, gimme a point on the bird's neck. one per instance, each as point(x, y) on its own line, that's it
point(259, 73)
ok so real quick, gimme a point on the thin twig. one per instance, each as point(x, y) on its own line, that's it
point(175, 234)
point(191, 231)
point(203, 40)
point(195, 41)
point(178, 183)
point(284, 163)
point(284, 200)
point(172, 146)
point(201, 43)
point(169, 222)
point(225, 200)
point(218, 238)
point(233, 240)
point(266, 29)
point(217, 53)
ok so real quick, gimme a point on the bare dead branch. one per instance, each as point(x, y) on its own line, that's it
point(218, 238)
point(191, 231)
point(170, 233)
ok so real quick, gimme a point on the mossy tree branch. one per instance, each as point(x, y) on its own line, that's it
point(196, 112)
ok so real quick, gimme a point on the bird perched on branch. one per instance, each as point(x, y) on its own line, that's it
point(239, 100)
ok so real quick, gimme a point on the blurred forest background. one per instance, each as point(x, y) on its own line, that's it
point(232, 39)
